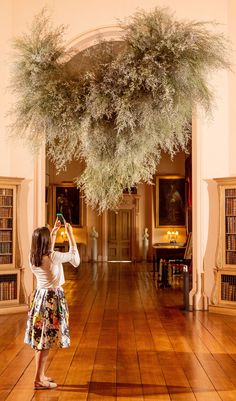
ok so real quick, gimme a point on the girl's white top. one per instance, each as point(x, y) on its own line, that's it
point(54, 275)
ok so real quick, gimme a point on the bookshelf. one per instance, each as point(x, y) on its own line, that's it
point(224, 294)
point(7, 225)
point(10, 273)
point(228, 287)
point(9, 287)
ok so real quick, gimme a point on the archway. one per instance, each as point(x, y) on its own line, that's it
point(114, 33)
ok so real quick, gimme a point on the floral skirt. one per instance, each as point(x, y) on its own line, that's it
point(48, 320)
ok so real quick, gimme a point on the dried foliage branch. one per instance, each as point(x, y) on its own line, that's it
point(118, 115)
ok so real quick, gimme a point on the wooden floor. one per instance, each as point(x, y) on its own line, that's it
point(129, 341)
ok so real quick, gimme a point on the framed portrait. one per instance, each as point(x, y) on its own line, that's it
point(67, 200)
point(170, 201)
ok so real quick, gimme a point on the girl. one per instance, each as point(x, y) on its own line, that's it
point(47, 324)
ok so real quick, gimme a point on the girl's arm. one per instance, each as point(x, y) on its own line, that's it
point(53, 234)
point(73, 255)
point(75, 258)
point(70, 235)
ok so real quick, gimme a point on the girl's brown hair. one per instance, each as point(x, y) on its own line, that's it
point(40, 245)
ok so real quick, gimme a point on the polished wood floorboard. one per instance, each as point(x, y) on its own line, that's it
point(130, 340)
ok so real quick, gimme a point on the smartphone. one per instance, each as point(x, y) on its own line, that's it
point(61, 218)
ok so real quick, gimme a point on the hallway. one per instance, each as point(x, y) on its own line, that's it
point(129, 341)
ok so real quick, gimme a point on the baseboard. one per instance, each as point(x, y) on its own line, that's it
point(223, 310)
point(13, 308)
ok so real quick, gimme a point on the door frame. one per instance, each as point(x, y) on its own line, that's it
point(129, 202)
point(131, 235)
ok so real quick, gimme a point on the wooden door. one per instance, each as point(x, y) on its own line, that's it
point(119, 235)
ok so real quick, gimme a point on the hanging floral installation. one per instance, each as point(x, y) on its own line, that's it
point(119, 114)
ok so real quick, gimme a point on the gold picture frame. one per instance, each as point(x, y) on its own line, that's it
point(67, 199)
point(170, 201)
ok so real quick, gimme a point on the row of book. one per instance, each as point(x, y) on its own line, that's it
point(231, 224)
point(6, 223)
point(5, 247)
point(5, 259)
point(230, 206)
point(6, 200)
point(231, 242)
point(231, 258)
point(228, 278)
point(228, 292)
point(6, 235)
point(8, 290)
point(5, 212)
point(6, 191)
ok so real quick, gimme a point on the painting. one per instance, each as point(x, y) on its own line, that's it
point(67, 200)
point(170, 201)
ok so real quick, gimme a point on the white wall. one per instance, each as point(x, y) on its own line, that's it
point(232, 89)
point(14, 160)
point(216, 138)
point(5, 34)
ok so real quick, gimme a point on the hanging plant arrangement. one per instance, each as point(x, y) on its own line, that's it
point(119, 114)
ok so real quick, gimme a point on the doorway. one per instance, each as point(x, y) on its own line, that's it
point(120, 235)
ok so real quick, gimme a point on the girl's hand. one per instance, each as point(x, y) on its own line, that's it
point(56, 227)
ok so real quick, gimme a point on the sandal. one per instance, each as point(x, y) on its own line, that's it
point(45, 385)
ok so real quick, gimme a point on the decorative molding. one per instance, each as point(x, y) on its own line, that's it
point(128, 202)
point(92, 37)
point(214, 295)
point(11, 180)
point(219, 250)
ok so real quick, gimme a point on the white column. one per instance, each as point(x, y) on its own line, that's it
point(39, 188)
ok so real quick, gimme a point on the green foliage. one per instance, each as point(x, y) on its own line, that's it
point(125, 108)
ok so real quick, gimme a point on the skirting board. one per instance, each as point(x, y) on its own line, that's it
point(223, 310)
point(17, 308)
